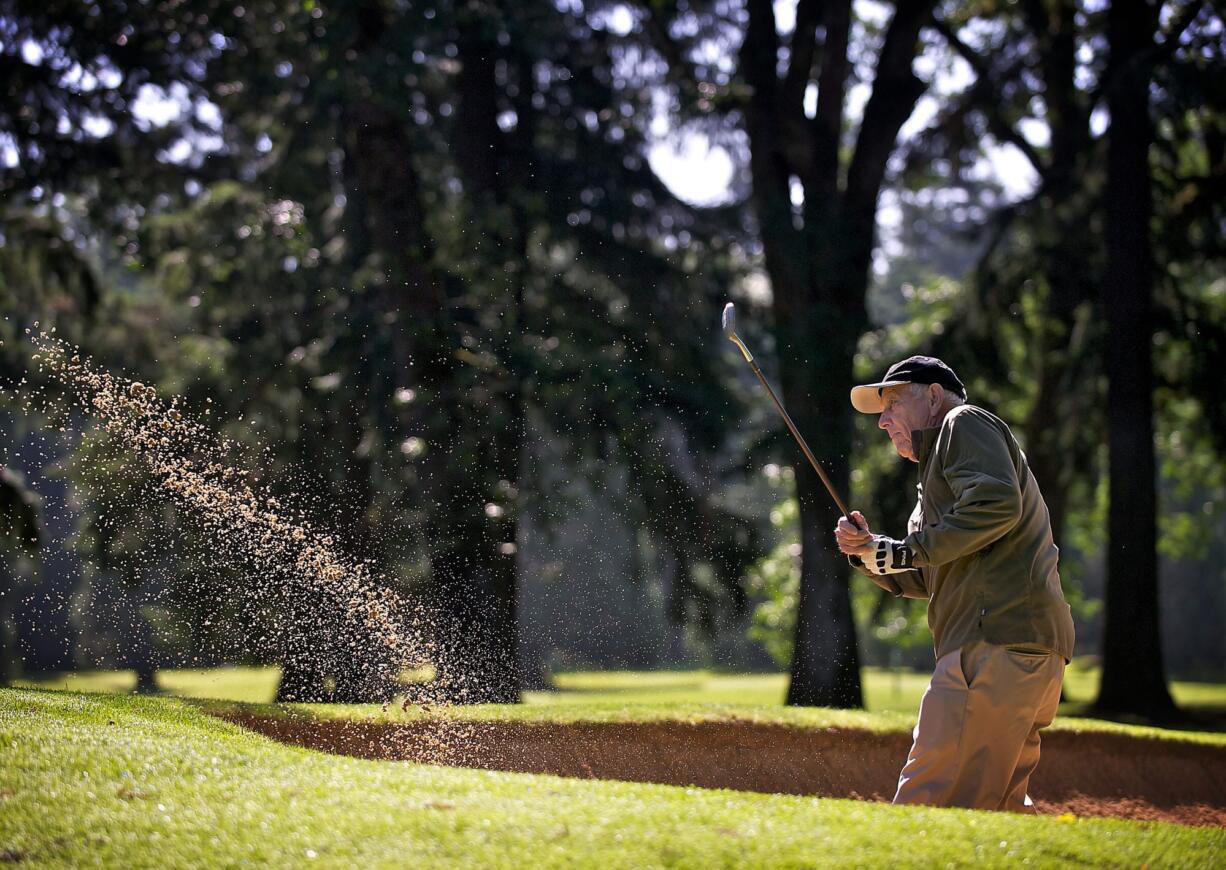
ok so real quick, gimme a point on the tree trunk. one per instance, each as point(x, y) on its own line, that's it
point(471, 534)
point(384, 228)
point(825, 664)
point(477, 661)
point(1055, 444)
point(10, 661)
point(20, 531)
point(302, 680)
point(472, 538)
point(136, 634)
point(146, 677)
point(329, 656)
point(471, 422)
point(818, 262)
point(1133, 678)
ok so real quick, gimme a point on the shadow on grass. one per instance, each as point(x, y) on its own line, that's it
point(1208, 717)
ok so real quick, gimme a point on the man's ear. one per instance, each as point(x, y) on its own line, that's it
point(936, 393)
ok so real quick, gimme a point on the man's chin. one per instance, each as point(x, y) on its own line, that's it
point(904, 449)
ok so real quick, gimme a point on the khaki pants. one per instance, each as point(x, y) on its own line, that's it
point(977, 738)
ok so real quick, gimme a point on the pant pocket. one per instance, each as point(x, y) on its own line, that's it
point(1028, 660)
point(1042, 654)
point(969, 659)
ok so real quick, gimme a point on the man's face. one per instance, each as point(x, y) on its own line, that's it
point(907, 408)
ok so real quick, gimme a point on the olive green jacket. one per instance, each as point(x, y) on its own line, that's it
point(980, 541)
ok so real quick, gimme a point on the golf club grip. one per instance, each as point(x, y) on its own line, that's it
point(801, 441)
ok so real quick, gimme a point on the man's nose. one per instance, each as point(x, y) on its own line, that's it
point(881, 420)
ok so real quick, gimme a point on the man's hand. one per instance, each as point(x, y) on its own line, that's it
point(854, 538)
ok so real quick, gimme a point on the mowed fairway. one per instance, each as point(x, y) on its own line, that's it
point(131, 781)
point(885, 691)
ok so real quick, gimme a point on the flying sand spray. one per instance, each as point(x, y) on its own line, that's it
point(247, 526)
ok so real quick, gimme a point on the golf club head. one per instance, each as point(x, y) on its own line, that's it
point(729, 324)
point(729, 321)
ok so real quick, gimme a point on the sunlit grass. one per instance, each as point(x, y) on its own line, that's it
point(249, 684)
point(884, 690)
point(116, 780)
point(624, 696)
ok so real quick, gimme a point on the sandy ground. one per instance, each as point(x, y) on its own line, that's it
point(1085, 774)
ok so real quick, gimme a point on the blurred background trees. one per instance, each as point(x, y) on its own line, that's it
point(423, 262)
point(396, 256)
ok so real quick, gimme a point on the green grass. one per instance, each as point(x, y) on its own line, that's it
point(892, 698)
point(884, 690)
point(254, 685)
point(118, 780)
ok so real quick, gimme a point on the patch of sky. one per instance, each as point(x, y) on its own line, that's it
point(32, 53)
point(156, 107)
point(619, 20)
point(8, 151)
point(702, 172)
point(1098, 121)
point(693, 168)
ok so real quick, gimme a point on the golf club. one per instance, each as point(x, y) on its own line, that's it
point(729, 323)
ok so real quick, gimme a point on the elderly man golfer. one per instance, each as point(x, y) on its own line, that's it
point(979, 548)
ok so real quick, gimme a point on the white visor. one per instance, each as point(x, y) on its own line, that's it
point(866, 398)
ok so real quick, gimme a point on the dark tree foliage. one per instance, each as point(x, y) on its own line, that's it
point(1188, 173)
point(391, 234)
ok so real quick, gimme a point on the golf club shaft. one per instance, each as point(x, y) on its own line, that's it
point(800, 440)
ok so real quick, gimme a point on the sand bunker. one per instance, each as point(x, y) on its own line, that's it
point(1085, 774)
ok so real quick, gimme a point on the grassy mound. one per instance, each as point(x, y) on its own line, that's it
point(135, 781)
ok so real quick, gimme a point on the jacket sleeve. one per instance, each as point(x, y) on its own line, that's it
point(904, 584)
point(978, 466)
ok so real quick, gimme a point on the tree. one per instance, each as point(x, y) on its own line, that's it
point(1133, 680)
point(817, 253)
point(1046, 254)
point(454, 206)
point(19, 531)
point(1031, 60)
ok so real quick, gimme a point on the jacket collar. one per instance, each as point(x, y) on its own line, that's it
point(922, 441)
